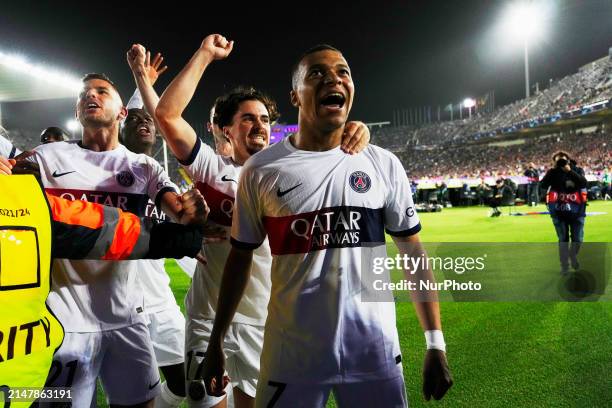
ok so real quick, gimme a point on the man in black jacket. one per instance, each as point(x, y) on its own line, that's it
point(533, 176)
point(502, 195)
point(566, 200)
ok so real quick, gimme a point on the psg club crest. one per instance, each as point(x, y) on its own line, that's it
point(125, 178)
point(360, 182)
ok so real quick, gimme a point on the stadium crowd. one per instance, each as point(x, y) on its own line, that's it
point(590, 84)
point(591, 150)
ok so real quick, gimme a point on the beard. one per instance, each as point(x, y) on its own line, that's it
point(96, 122)
point(105, 117)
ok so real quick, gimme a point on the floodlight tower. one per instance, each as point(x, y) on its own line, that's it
point(523, 17)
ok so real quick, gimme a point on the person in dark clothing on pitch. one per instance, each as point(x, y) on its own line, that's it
point(566, 201)
point(502, 195)
point(533, 178)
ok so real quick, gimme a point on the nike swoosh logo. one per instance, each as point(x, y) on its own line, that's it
point(156, 382)
point(280, 193)
point(56, 174)
point(224, 178)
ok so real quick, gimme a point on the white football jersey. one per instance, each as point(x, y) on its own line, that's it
point(152, 275)
point(7, 149)
point(90, 296)
point(324, 213)
point(217, 179)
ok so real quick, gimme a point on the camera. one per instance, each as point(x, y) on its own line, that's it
point(562, 163)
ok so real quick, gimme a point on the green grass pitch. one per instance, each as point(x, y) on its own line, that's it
point(529, 354)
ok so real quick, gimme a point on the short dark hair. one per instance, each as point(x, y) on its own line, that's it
point(311, 50)
point(99, 75)
point(55, 132)
point(139, 110)
point(132, 110)
point(227, 105)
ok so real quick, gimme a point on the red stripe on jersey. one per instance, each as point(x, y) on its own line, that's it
point(332, 227)
point(221, 205)
point(281, 234)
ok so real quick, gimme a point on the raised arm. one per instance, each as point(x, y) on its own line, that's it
point(179, 135)
point(145, 74)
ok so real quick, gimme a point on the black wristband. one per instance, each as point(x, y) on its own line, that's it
point(171, 240)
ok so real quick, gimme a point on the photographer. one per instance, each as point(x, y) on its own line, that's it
point(483, 192)
point(566, 200)
point(533, 177)
point(502, 195)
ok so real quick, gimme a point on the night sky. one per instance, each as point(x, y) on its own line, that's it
point(402, 54)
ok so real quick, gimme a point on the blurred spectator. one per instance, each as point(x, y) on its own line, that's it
point(502, 195)
point(53, 134)
point(483, 192)
point(533, 185)
point(606, 181)
point(482, 160)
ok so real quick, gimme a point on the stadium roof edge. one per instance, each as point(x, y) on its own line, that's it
point(21, 81)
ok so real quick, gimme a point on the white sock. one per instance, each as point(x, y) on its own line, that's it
point(167, 399)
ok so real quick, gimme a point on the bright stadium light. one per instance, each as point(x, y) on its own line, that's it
point(524, 21)
point(469, 103)
point(49, 75)
point(73, 125)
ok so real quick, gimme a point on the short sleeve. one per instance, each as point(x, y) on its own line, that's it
point(159, 182)
point(198, 161)
point(7, 149)
point(401, 218)
point(248, 230)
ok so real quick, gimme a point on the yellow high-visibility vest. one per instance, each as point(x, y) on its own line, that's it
point(29, 333)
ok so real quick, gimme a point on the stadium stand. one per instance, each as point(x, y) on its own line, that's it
point(573, 114)
point(592, 83)
point(592, 151)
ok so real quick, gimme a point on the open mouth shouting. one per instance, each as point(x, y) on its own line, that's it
point(144, 130)
point(91, 107)
point(333, 101)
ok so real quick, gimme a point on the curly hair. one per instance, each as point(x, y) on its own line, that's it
point(227, 105)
